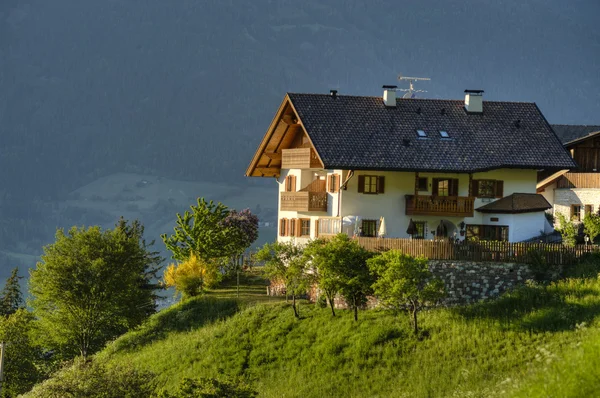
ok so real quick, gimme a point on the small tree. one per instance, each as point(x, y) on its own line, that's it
point(591, 226)
point(403, 280)
point(11, 298)
point(329, 259)
point(567, 230)
point(192, 276)
point(345, 269)
point(285, 262)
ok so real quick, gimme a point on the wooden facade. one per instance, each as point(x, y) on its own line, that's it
point(579, 180)
point(458, 206)
point(299, 158)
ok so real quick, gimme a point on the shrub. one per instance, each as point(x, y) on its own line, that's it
point(567, 230)
point(211, 388)
point(542, 272)
point(587, 267)
point(93, 379)
point(192, 276)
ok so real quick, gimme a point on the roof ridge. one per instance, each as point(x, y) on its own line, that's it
point(411, 99)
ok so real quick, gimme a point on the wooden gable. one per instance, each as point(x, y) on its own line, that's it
point(285, 132)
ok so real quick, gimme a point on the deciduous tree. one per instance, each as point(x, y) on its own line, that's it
point(93, 285)
point(285, 263)
point(404, 281)
point(567, 230)
point(192, 276)
point(591, 226)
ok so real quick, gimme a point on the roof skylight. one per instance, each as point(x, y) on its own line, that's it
point(421, 133)
point(444, 134)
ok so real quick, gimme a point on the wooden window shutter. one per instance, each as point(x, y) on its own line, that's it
point(293, 184)
point(499, 189)
point(381, 184)
point(453, 187)
point(361, 184)
point(336, 183)
point(474, 187)
point(281, 227)
point(291, 227)
point(298, 228)
point(434, 186)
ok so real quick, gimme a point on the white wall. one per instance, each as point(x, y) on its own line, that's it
point(391, 204)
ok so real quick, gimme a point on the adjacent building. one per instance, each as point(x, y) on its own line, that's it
point(575, 192)
point(408, 168)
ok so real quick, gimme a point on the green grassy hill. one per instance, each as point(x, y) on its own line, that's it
point(535, 342)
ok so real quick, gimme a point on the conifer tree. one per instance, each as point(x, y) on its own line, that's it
point(11, 298)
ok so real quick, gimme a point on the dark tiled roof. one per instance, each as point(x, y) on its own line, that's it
point(517, 203)
point(572, 132)
point(352, 132)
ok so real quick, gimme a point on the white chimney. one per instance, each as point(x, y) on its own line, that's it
point(389, 96)
point(474, 101)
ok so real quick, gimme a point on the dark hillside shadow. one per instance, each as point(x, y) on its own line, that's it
point(557, 307)
point(185, 316)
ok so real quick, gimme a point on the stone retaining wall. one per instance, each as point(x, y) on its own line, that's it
point(467, 282)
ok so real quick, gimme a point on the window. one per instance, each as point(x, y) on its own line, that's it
point(305, 227)
point(329, 226)
point(445, 187)
point(421, 228)
point(290, 184)
point(283, 227)
point(421, 134)
point(334, 183)
point(487, 232)
point(576, 212)
point(589, 209)
point(422, 184)
point(444, 134)
point(487, 188)
point(292, 228)
point(371, 184)
point(369, 228)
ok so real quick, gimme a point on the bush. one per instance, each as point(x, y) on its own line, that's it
point(211, 388)
point(587, 267)
point(542, 272)
point(192, 276)
point(92, 379)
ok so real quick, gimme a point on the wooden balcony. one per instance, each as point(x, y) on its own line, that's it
point(299, 158)
point(304, 201)
point(450, 206)
point(579, 180)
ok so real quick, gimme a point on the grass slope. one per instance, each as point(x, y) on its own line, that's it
point(524, 344)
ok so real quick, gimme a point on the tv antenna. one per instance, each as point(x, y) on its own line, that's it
point(410, 92)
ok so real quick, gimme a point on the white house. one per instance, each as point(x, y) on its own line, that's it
point(422, 167)
point(575, 192)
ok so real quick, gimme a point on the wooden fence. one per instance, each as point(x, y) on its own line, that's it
point(553, 253)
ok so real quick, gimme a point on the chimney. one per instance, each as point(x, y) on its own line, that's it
point(333, 93)
point(474, 101)
point(389, 96)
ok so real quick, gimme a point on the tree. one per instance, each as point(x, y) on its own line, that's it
point(329, 259)
point(93, 285)
point(11, 298)
point(192, 276)
point(403, 280)
point(355, 280)
point(567, 230)
point(591, 226)
point(21, 353)
point(285, 263)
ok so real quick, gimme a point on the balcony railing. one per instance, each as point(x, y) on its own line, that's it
point(303, 201)
point(299, 158)
point(457, 206)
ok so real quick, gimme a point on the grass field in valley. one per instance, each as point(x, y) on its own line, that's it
point(537, 341)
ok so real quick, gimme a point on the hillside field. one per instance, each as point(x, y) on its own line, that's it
point(538, 341)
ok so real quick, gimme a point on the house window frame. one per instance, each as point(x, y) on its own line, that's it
point(576, 212)
point(369, 228)
point(588, 209)
point(482, 232)
point(421, 227)
point(491, 188)
point(304, 227)
point(370, 185)
point(422, 184)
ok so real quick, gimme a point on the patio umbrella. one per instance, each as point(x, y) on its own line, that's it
point(441, 230)
point(382, 230)
point(412, 228)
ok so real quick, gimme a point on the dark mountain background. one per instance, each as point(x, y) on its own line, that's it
point(184, 90)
